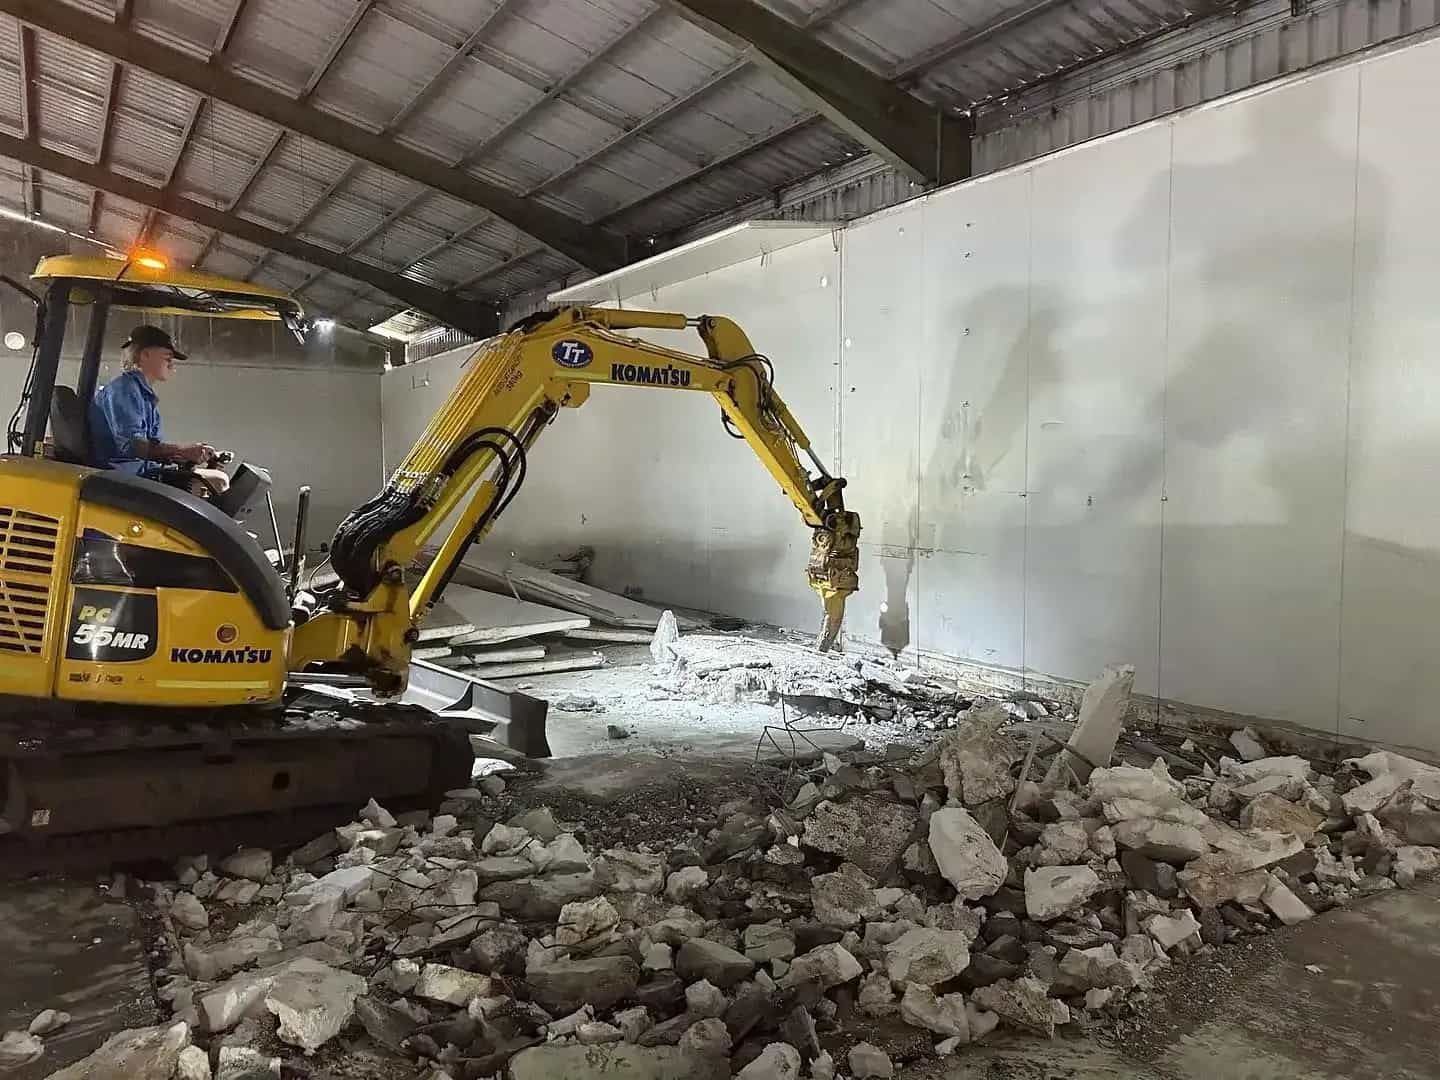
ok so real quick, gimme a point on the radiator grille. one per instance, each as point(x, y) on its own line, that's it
point(27, 563)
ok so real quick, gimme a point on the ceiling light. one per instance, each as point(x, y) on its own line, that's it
point(15, 340)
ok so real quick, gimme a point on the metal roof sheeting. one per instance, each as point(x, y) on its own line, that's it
point(617, 112)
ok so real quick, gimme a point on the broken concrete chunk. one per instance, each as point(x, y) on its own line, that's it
point(768, 941)
point(451, 985)
point(1102, 718)
point(966, 854)
point(596, 1032)
point(707, 1038)
point(386, 1024)
point(238, 891)
point(253, 864)
point(1161, 840)
point(505, 840)
point(831, 965)
point(1248, 745)
point(48, 1021)
point(778, 1061)
point(877, 996)
point(577, 1062)
point(192, 1064)
point(927, 956)
point(562, 986)
point(868, 1061)
point(1129, 782)
point(704, 999)
point(845, 897)
point(189, 912)
point(944, 1015)
point(869, 831)
point(540, 897)
point(20, 1048)
point(147, 1053)
point(1062, 843)
point(1051, 891)
point(1269, 811)
point(683, 884)
point(246, 1063)
point(583, 921)
point(1023, 1002)
point(975, 758)
point(377, 815)
point(1169, 930)
point(313, 1006)
point(1413, 863)
point(630, 872)
point(723, 966)
point(659, 957)
point(1284, 904)
point(208, 963)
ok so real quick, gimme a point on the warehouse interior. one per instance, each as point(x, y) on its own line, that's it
point(1064, 363)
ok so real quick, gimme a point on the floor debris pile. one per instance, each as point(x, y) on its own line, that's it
point(878, 913)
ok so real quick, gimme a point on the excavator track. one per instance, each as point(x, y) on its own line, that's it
point(122, 786)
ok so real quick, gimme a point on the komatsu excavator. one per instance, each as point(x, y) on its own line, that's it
point(157, 668)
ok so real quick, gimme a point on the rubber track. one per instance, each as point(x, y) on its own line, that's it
point(28, 853)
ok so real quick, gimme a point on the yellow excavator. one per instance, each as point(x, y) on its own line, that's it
point(163, 681)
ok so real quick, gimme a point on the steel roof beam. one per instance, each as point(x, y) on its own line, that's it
point(928, 143)
point(228, 28)
point(830, 12)
point(29, 116)
point(590, 247)
point(434, 303)
point(450, 67)
point(336, 48)
point(152, 218)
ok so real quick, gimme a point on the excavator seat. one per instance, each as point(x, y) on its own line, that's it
point(67, 427)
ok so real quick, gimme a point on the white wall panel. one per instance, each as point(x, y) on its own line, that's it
point(881, 364)
point(754, 545)
point(1166, 398)
point(973, 408)
point(1262, 211)
point(1096, 388)
point(1390, 680)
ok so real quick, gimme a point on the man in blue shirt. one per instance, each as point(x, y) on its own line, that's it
point(125, 414)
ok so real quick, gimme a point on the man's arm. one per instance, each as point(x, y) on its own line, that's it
point(124, 410)
point(155, 450)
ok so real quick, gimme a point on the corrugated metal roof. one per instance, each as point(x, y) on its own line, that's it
point(614, 111)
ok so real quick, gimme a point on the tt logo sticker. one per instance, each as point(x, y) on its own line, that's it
point(575, 354)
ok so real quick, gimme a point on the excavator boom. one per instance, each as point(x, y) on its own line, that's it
point(471, 460)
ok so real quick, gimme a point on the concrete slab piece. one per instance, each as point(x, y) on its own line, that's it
point(443, 622)
point(495, 618)
point(540, 586)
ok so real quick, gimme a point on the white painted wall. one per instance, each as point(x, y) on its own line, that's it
point(1167, 398)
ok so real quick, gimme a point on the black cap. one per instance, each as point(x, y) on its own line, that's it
point(152, 337)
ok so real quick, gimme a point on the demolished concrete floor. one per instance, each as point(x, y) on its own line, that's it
point(1352, 995)
point(1343, 995)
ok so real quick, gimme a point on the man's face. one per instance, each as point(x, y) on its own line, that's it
point(156, 363)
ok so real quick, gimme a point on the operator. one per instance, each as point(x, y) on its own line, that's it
point(125, 417)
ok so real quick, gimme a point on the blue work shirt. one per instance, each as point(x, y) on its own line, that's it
point(124, 409)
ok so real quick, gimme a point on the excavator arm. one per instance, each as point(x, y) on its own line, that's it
point(471, 461)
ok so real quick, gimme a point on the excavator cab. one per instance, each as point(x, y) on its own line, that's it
point(53, 419)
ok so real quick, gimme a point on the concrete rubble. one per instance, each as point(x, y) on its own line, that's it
point(989, 882)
